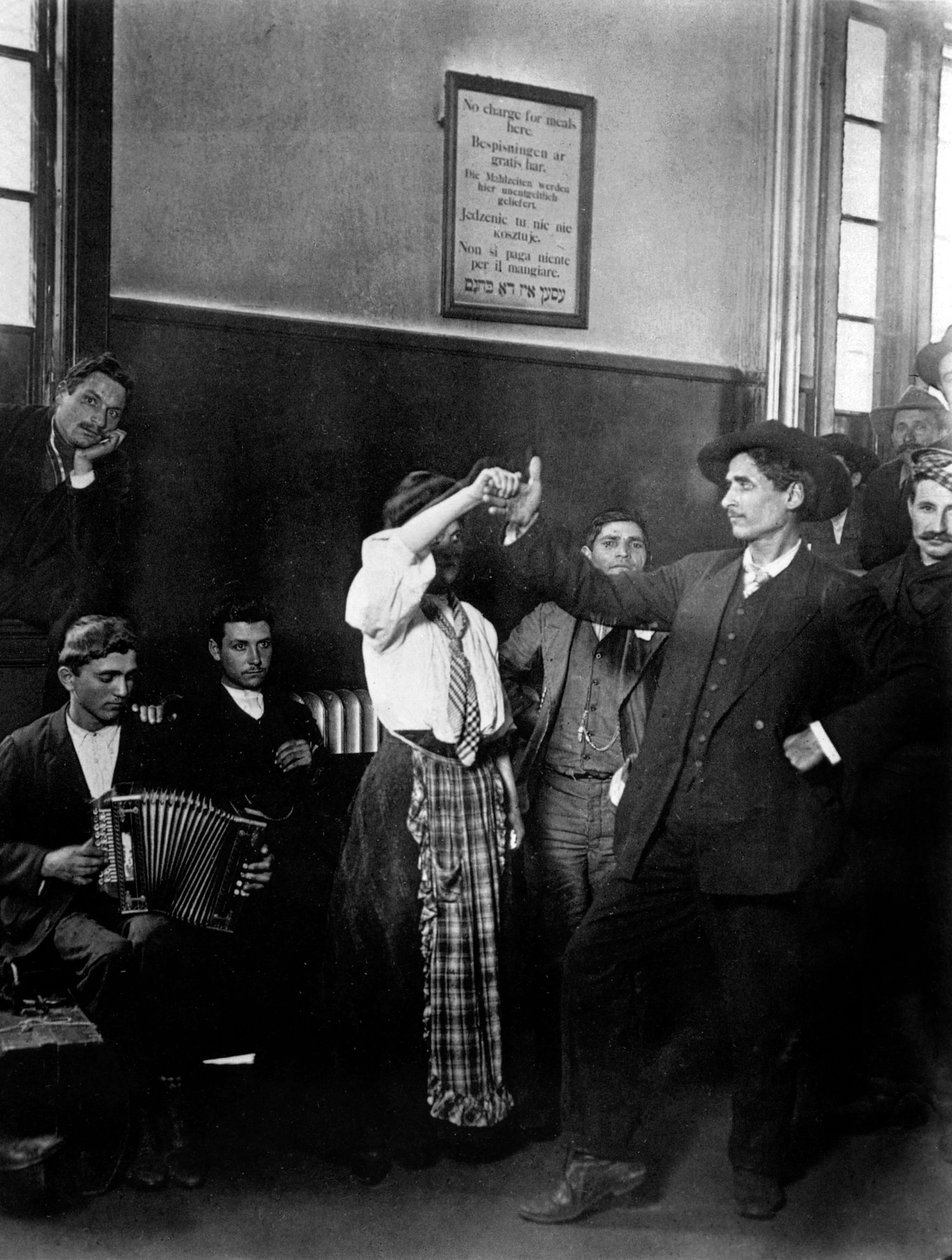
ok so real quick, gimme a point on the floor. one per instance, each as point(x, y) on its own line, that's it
point(277, 1191)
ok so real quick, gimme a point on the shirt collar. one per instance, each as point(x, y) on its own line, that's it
point(251, 701)
point(775, 566)
point(79, 734)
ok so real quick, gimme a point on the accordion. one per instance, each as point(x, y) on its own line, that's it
point(174, 852)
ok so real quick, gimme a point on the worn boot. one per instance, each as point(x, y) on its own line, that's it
point(187, 1157)
point(146, 1169)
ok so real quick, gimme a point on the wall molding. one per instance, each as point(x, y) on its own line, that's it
point(140, 310)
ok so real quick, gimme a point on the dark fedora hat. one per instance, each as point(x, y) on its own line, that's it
point(930, 356)
point(832, 488)
point(858, 458)
point(423, 488)
point(911, 399)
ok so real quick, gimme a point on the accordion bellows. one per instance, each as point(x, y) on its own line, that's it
point(175, 852)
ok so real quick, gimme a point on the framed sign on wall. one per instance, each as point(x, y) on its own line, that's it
point(519, 166)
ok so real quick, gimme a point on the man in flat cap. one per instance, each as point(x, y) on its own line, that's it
point(777, 667)
point(918, 419)
point(837, 540)
point(934, 364)
point(902, 821)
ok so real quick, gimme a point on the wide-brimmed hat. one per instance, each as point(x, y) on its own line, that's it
point(911, 399)
point(422, 488)
point(858, 458)
point(833, 489)
point(930, 356)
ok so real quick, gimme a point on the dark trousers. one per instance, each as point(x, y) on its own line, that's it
point(151, 985)
point(633, 928)
point(568, 853)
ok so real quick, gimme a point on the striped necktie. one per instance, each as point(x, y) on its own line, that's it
point(462, 704)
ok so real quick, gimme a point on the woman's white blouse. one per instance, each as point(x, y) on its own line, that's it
point(407, 656)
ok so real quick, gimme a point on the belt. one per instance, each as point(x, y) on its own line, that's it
point(582, 774)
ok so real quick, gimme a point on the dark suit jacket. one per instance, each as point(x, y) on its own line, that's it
point(822, 541)
point(544, 637)
point(57, 547)
point(44, 805)
point(230, 754)
point(770, 829)
point(886, 527)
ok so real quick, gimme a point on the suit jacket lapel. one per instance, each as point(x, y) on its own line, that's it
point(786, 613)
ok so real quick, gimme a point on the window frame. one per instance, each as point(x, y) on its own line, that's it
point(71, 197)
point(914, 40)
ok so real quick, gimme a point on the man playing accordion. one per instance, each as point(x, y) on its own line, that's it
point(144, 979)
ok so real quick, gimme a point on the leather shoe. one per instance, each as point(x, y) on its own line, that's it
point(756, 1195)
point(587, 1183)
point(146, 1169)
point(187, 1156)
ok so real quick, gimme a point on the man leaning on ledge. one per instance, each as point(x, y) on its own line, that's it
point(64, 482)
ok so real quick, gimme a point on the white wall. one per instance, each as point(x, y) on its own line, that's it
point(285, 156)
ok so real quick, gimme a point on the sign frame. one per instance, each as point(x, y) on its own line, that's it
point(539, 273)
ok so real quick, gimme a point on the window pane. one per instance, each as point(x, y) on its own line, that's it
point(854, 366)
point(16, 265)
point(945, 97)
point(865, 70)
point(861, 151)
point(941, 288)
point(858, 257)
point(18, 23)
point(16, 116)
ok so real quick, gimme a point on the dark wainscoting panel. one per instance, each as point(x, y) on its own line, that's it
point(266, 446)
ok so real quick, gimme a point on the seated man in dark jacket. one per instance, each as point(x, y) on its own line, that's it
point(250, 742)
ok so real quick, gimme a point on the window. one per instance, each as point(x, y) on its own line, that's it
point(883, 60)
point(55, 188)
point(27, 172)
point(859, 216)
point(942, 249)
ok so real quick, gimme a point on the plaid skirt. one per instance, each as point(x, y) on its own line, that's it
point(415, 929)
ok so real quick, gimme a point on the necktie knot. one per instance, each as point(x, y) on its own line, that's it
point(754, 577)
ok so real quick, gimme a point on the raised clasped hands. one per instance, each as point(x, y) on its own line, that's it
point(520, 505)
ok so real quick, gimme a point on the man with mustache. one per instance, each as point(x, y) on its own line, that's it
point(901, 817)
point(918, 419)
point(580, 694)
point(245, 739)
point(144, 979)
point(64, 483)
point(777, 667)
point(248, 739)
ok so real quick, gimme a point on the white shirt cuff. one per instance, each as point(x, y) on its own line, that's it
point(79, 481)
point(826, 744)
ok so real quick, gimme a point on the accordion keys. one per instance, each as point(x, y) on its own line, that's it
point(174, 852)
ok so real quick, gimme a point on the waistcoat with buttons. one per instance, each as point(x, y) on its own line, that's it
point(590, 700)
point(695, 787)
